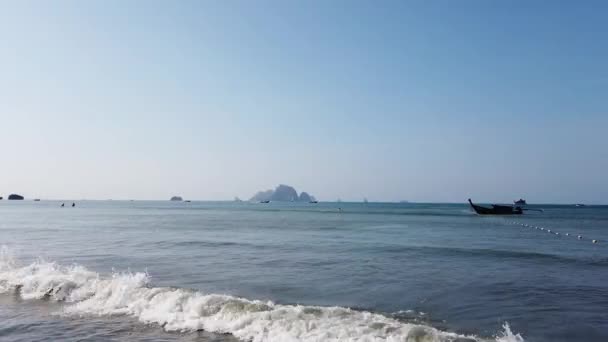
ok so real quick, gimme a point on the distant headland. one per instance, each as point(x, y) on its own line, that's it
point(282, 193)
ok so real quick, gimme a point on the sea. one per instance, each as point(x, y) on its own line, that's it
point(237, 271)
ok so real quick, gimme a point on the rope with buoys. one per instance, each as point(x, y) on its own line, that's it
point(578, 237)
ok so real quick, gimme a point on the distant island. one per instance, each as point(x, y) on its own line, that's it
point(15, 197)
point(282, 193)
point(176, 198)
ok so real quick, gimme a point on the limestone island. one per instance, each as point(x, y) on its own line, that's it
point(176, 198)
point(282, 193)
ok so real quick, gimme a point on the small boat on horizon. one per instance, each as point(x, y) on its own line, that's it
point(496, 209)
point(266, 201)
point(314, 202)
point(520, 202)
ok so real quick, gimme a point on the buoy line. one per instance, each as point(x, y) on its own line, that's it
point(525, 225)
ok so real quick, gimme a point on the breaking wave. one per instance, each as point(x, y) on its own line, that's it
point(85, 292)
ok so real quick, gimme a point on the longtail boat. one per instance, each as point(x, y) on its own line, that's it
point(496, 209)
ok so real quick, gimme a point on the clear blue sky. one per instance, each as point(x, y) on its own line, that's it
point(390, 100)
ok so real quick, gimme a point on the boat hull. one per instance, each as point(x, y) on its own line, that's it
point(496, 210)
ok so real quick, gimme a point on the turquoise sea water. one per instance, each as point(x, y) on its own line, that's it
point(223, 271)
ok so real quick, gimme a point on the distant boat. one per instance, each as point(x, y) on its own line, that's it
point(266, 201)
point(364, 200)
point(520, 202)
point(496, 209)
point(36, 199)
point(314, 202)
point(580, 205)
point(188, 201)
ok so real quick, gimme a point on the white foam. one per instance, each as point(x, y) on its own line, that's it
point(508, 336)
point(86, 293)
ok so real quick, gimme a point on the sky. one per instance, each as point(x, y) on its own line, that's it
point(431, 101)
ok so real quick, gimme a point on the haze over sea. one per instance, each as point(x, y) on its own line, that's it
point(227, 271)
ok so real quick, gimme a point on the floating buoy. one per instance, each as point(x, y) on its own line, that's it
point(567, 234)
point(549, 230)
point(541, 228)
point(580, 237)
point(556, 233)
point(594, 241)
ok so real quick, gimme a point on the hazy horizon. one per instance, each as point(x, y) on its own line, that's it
point(390, 101)
point(327, 200)
point(337, 200)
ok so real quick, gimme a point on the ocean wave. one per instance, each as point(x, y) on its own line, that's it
point(496, 253)
point(85, 292)
point(336, 208)
point(197, 243)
